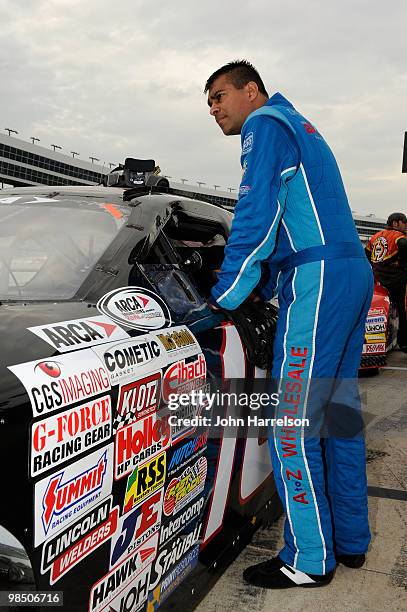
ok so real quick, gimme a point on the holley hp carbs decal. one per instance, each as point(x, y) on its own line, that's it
point(135, 307)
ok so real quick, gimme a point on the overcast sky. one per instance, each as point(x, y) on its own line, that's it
point(125, 78)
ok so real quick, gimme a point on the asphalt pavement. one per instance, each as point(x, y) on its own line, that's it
point(382, 582)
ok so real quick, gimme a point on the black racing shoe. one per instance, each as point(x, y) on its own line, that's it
point(353, 561)
point(275, 574)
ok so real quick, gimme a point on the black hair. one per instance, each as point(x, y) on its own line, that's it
point(240, 73)
point(394, 217)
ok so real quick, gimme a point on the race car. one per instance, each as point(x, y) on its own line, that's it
point(121, 500)
point(380, 330)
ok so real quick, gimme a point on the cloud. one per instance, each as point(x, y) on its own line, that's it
point(117, 79)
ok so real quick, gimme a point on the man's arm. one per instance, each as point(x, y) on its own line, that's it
point(267, 153)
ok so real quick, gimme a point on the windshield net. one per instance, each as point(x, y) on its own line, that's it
point(47, 251)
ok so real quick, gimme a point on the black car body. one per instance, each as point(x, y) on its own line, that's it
point(102, 317)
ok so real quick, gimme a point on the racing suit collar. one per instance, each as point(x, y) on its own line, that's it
point(278, 98)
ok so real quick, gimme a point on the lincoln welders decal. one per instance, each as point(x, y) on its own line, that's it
point(69, 547)
point(68, 434)
point(135, 307)
point(54, 383)
point(62, 497)
point(139, 442)
point(79, 333)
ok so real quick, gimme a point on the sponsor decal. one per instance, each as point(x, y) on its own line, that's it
point(70, 433)
point(178, 342)
point(182, 490)
point(127, 360)
point(244, 189)
point(124, 589)
point(62, 497)
point(136, 528)
point(371, 338)
point(69, 547)
point(376, 311)
point(374, 348)
point(170, 530)
point(143, 481)
point(374, 320)
point(247, 143)
point(55, 383)
point(138, 399)
point(184, 418)
point(191, 448)
point(244, 168)
point(173, 553)
point(138, 442)
point(182, 377)
point(178, 574)
point(379, 249)
point(375, 327)
point(79, 333)
point(135, 307)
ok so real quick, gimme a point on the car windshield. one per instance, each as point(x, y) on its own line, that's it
point(49, 247)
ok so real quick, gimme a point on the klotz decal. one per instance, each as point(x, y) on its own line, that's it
point(138, 399)
point(62, 497)
point(135, 307)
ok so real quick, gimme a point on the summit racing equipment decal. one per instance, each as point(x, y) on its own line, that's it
point(143, 481)
point(140, 441)
point(79, 333)
point(135, 307)
point(183, 377)
point(70, 546)
point(126, 361)
point(136, 528)
point(54, 383)
point(125, 588)
point(138, 399)
point(178, 342)
point(168, 557)
point(60, 437)
point(180, 491)
point(62, 497)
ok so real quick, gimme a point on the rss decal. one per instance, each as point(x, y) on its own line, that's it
point(139, 442)
point(138, 399)
point(173, 553)
point(136, 527)
point(55, 383)
point(70, 547)
point(144, 480)
point(125, 589)
point(70, 433)
point(180, 491)
point(61, 498)
point(79, 333)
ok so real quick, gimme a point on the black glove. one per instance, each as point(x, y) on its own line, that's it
point(256, 323)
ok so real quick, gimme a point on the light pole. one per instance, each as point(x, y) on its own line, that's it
point(74, 153)
point(216, 186)
point(184, 181)
point(55, 147)
point(33, 139)
point(231, 189)
point(199, 183)
point(10, 131)
point(93, 159)
point(111, 165)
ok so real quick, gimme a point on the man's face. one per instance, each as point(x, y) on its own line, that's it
point(229, 106)
point(401, 226)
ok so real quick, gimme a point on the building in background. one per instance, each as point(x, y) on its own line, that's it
point(25, 164)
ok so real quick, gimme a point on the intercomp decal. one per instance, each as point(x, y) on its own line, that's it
point(62, 497)
point(79, 333)
point(58, 382)
point(135, 307)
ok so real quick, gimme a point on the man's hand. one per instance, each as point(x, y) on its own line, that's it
point(213, 305)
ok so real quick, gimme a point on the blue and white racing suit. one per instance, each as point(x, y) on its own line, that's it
point(293, 219)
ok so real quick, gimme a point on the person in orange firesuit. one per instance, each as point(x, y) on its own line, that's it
point(387, 252)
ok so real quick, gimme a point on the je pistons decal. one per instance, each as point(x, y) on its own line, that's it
point(69, 547)
point(186, 487)
point(79, 333)
point(140, 441)
point(62, 497)
point(143, 481)
point(138, 399)
point(137, 528)
point(124, 589)
point(135, 307)
point(70, 433)
point(54, 383)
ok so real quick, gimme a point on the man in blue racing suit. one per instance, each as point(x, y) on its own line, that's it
point(293, 217)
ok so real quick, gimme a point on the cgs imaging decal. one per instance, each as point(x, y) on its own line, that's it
point(135, 307)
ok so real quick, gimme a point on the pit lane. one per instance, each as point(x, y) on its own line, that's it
point(382, 581)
